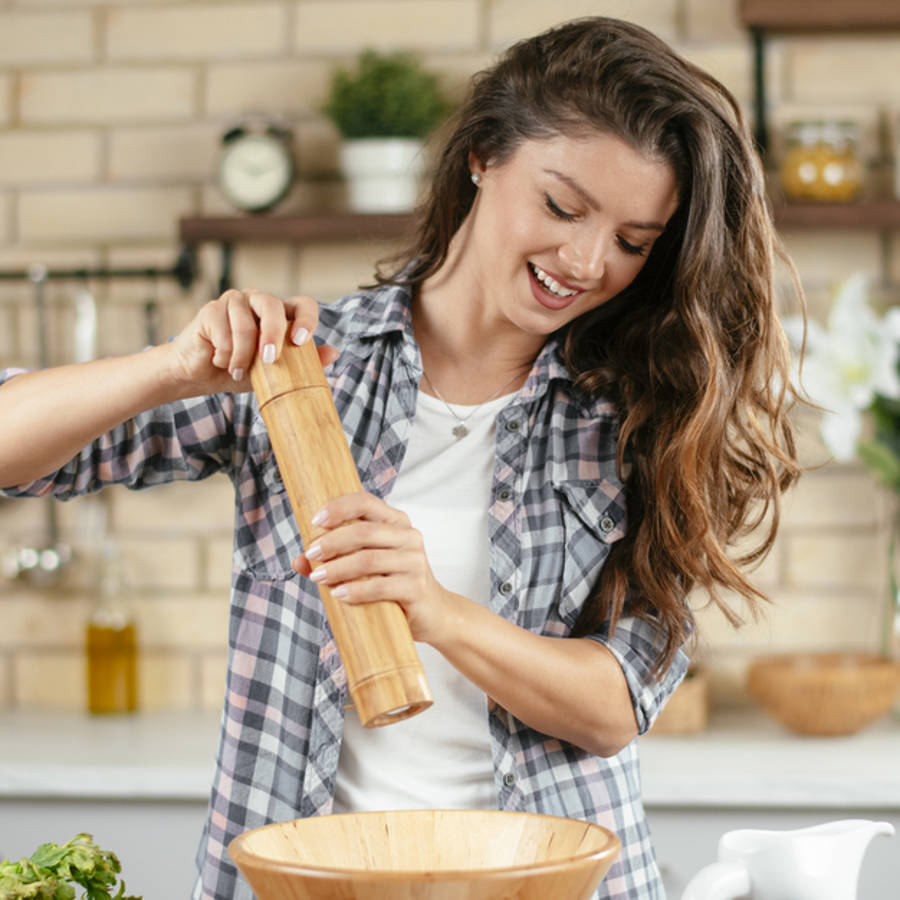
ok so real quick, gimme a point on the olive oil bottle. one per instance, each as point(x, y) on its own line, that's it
point(111, 641)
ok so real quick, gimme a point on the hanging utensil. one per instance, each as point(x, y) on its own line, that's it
point(85, 331)
point(42, 564)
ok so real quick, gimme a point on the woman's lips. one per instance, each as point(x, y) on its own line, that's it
point(545, 297)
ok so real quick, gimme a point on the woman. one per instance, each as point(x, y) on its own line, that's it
point(563, 402)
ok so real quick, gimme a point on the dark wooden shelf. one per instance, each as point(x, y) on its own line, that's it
point(820, 15)
point(300, 229)
point(875, 214)
point(308, 228)
point(766, 17)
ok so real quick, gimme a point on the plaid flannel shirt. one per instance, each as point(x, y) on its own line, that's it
point(555, 507)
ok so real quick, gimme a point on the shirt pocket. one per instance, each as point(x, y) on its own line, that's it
point(267, 538)
point(593, 519)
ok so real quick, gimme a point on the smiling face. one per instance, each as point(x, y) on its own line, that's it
point(563, 226)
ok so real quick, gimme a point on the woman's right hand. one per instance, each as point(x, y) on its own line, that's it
point(214, 352)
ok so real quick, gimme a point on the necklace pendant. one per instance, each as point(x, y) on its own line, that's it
point(460, 431)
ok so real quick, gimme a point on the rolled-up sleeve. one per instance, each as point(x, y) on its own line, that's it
point(185, 440)
point(637, 643)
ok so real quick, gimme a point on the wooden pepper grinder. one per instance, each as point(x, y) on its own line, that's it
point(384, 674)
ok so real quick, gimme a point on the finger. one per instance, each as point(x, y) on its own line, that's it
point(347, 570)
point(327, 354)
point(360, 535)
point(272, 317)
point(244, 331)
point(359, 505)
point(301, 565)
point(396, 588)
point(366, 564)
point(303, 313)
point(216, 330)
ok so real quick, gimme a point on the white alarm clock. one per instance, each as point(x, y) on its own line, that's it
point(256, 166)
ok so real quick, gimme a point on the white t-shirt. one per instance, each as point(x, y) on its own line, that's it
point(440, 758)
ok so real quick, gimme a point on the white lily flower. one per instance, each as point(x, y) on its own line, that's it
point(849, 363)
point(840, 429)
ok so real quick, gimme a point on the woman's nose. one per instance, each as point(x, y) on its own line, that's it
point(584, 257)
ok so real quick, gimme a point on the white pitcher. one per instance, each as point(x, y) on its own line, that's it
point(817, 863)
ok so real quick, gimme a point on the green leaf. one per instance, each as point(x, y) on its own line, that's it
point(47, 873)
point(387, 95)
point(48, 856)
point(883, 461)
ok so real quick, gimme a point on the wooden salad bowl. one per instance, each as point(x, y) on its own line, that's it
point(426, 855)
point(825, 693)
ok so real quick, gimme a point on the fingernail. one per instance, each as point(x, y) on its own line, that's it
point(268, 354)
point(314, 551)
point(300, 336)
point(340, 591)
point(320, 518)
point(319, 574)
point(237, 374)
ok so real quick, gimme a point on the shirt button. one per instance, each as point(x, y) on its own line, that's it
point(512, 425)
point(509, 779)
point(505, 494)
point(607, 524)
point(506, 588)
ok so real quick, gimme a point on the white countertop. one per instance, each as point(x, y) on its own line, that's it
point(745, 759)
point(155, 756)
point(742, 760)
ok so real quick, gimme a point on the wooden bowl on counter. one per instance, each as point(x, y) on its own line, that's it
point(423, 854)
point(825, 693)
point(687, 711)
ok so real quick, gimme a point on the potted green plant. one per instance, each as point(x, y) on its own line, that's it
point(383, 110)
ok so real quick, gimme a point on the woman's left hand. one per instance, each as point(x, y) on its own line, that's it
point(370, 551)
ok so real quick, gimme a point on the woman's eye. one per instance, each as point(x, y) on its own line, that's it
point(633, 249)
point(557, 211)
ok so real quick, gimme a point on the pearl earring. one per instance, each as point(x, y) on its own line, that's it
point(476, 179)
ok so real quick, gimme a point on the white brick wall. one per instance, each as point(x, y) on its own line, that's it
point(5, 98)
point(708, 20)
point(203, 31)
point(170, 153)
point(89, 215)
point(837, 69)
point(110, 118)
point(113, 94)
point(34, 158)
point(46, 37)
point(6, 218)
point(346, 25)
point(295, 87)
point(511, 20)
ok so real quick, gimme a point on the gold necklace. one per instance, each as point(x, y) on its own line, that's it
point(460, 430)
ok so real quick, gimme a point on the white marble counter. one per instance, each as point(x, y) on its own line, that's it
point(745, 759)
point(153, 756)
point(742, 760)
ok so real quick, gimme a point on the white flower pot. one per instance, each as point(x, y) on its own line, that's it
point(383, 174)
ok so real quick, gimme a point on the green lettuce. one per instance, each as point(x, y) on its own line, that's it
point(50, 872)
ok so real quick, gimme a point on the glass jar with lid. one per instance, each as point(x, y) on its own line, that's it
point(821, 162)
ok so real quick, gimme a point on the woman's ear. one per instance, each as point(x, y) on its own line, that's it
point(476, 166)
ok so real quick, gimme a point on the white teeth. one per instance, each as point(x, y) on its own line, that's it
point(551, 283)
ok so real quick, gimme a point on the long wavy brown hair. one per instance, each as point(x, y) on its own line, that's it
point(691, 353)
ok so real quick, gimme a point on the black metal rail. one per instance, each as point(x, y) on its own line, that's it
point(184, 271)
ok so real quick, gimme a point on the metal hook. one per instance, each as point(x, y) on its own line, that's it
point(151, 311)
point(85, 331)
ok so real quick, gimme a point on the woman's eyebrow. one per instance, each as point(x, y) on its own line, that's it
point(595, 204)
